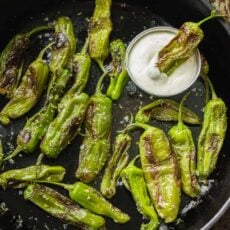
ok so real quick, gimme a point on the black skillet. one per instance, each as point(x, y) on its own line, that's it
point(129, 18)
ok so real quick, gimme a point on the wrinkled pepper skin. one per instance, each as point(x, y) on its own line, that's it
point(183, 146)
point(159, 165)
point(133, 179)
point(182, 46)
point(14, 177)
point(115, 164)
point(100, 28)
point(212, 134)
point(11, 61)
point(94, 150)
point(28, 92)
point(119, 74)
point(165, 110)
point(62, 207)
point(64, 128)
point(91, 199)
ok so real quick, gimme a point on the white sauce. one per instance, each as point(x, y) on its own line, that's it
point(142, 68)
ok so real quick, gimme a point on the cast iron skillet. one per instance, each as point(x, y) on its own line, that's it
point(129, 18)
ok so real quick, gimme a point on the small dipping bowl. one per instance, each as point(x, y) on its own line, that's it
point(141, 51)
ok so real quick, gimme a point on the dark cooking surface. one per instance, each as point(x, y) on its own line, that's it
point(128, 20)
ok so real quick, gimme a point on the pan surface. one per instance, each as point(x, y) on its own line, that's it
point(129, 18)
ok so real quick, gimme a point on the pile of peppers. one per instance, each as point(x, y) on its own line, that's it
point(166, 165)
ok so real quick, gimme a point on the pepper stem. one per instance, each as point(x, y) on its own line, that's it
point(180, 119)
point(42, 52)
point(209, 83)
point(211, 16)
point(99, 84)
point(100, 63)
point(85, 46)
point(62, 185)
point(39, 29)
point(13, 154)
point(134, 126)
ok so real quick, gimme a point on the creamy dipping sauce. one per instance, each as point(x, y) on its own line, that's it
point(142, 55)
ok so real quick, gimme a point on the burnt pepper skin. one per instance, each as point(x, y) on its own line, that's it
point(182, 46)
point(183, 145)
point(212, 133)
point(94, 150)
point(11, 60)
point(62, 207)
point(100, 28)
point(165, 110)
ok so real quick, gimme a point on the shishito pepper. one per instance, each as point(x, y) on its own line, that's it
point(28, 92)
point(35, 127)
point(94, 150)
point(183, 145)
point(115, 164)
point(119, 74)
point(160, 170)
point(64, 128)
point(11, 60)
point(182, 46)
point(89, 198)
point(165, 110)
point(212, 134)
point(23, 176)
point(133, 179)
point(62, 207)
point(100, 27)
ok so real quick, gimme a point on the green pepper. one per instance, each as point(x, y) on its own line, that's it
point(183, 145)
point(64, 128)
point(14, 177)
point(165, 110)
point(62, 208)
point(119, 74)
point(94, 150)
point(115, 164)
point(133, 179)
point(89, 198)
point(11, 61)
point(212, 134)
point(100, 27)
point(28, 92)
point(182, 46)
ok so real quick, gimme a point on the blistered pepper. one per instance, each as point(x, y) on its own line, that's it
point(115, 164)
point(64, 128)
point(28, 92)
point(94, 150)
point(133, 179)
point(100, 27)
point(212, 134)
point(183, 146)
point(165, 110)
point(21, 177)
point(11, 60)
point(89, 198)
point(62, 207)
point(182, 46)
point(119, 74)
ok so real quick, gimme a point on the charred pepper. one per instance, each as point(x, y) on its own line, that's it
point(100, 27)
point(212, 134)
point(23, 176)
point(119, 74)
point(28, 92)
point(133, 179)
point(182, 46)
point(165, 110)
point(115, 164)
point(62, 207)
point(183, 146)
point(94, 150)
point(89, 198)
point(11, 60)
